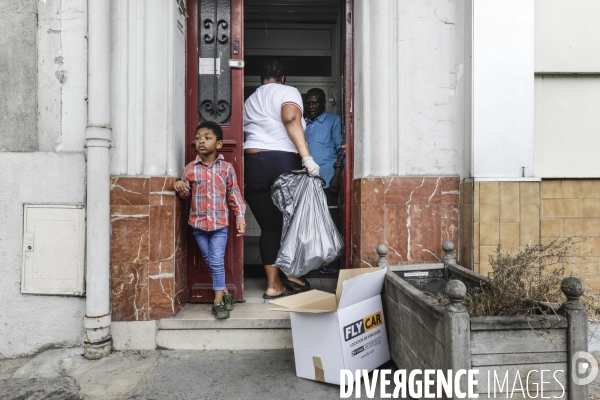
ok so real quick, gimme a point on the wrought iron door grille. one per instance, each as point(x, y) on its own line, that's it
point(214, 75)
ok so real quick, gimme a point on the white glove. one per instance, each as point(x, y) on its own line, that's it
point(311, 166)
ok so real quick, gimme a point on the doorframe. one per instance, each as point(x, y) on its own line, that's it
point(235, 244)
point(191, 93)
point(348, 97)
point(191, 80)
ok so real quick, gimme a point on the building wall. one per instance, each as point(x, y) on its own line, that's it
point(18, 63)
point(405, 94)
point(571, 208)
point(61, 75)
point(567, 36)
point(500, 207)
point(518, 214)
point(147, 88)
point(148, 242)
point(148, 249)
point(410, 127)
point(567, 122)
point(503, 83)
point(43, 114)
point(33, 322)
point(567, 88)
point(413, 216)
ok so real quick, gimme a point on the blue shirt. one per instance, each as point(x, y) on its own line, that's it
point(324, 138)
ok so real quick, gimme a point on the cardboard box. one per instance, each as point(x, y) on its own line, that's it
point(345, 330)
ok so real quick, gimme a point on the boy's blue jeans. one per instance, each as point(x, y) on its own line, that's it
point(212, 245)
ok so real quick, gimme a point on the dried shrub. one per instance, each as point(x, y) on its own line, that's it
point(520, 282)
point(527, 282)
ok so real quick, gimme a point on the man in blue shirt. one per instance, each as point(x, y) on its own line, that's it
point(324, 137)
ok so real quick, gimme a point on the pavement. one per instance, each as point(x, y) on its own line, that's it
point(249, 374)
point(64, 374)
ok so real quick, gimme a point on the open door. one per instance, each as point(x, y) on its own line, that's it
point(214, 91)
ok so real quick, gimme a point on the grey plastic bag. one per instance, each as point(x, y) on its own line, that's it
point(309, 238)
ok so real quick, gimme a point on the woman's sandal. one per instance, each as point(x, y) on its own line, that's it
point(286, 292)
point(297, 287)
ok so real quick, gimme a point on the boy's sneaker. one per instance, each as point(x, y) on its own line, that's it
point(219, 311)
point(228, 301)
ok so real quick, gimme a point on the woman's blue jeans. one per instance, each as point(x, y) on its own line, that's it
point(212, 245)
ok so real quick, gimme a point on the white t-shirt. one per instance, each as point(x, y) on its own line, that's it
point(262, 117)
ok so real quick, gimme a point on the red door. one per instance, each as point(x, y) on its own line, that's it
point(214, 91)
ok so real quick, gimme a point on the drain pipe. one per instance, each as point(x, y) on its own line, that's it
point(98, 136)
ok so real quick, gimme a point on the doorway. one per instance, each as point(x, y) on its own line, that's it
point(313, 39)
point(307, 37)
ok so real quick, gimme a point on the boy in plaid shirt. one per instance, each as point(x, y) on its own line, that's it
point(211, 183)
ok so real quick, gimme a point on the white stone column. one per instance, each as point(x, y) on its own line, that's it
point(98, 137)
point(376, 71)
point(148, 81)
point(406, 71)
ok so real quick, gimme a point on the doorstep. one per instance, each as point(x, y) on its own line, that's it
point(252, 326)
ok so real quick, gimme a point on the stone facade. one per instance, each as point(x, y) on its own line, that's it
point(148, 249)
point(413, 216)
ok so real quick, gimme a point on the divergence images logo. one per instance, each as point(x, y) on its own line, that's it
point(581, 367)
point(362, 325)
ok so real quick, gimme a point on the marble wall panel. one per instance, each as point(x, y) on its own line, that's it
point(162, 233)
point(414, 190)
point(161, 297)
point(162, 192)
point(129, 291)
point(396, 233)
point(129, 191)
point(450, 190)
point(130, 234)
point(372, 235)
point(165, 268)
point(372, 191)
point(419, 213)
point(181, 228)
point(180, 283)
point(425, 233)
point(450, 223)
point(148, 249)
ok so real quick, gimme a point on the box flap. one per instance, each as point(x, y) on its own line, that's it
point(356, 285)
point(313, 301)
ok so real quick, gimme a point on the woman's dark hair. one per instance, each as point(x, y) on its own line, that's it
point(272, 68)
point(213, 126)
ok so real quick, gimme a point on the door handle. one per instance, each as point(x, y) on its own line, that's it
point(236, 63)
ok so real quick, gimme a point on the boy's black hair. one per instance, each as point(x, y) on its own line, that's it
point(272, 68)
point(213, 126)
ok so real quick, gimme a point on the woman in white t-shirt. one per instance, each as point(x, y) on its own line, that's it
point(275, 144)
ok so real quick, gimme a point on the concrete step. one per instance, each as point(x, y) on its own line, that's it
point(250, 327)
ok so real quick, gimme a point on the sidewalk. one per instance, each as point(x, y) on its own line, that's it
point(65, 374)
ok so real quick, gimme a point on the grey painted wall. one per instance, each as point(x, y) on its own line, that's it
point(18, 75)
point(28, 322)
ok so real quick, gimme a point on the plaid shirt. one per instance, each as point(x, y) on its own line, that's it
point(212, 187)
